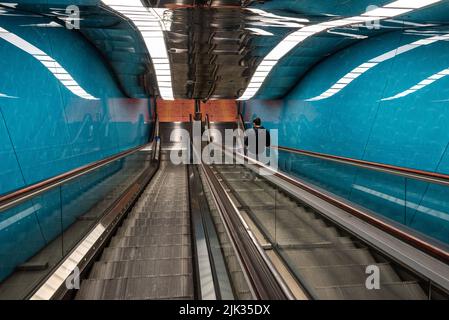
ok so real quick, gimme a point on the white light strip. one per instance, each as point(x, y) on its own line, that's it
point(346, 34)
point(281, 20)
point(259, 32)
point(401, 202)
point(408, 23)
point(51, 64)
point(364, 67)
point(151, 24)
point(19, 216)
point(51, 24)
point(391, 10)
point(57, 279)
point(2, 95)
point(8, 4)
point(420, 85)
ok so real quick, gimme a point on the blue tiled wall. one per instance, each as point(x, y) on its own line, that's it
point(367, 119)
point(53, 125)
point(60, 108)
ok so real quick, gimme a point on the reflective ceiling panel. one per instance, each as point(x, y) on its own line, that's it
point(231, 49)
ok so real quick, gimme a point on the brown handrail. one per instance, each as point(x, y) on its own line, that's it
point(208, 126)
point(16, 197)
point(428, 176)
point(242, 121)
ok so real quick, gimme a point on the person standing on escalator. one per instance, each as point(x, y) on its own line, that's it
point(257, 140)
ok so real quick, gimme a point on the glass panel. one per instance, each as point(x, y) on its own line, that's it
point(428, 210)
point(240, 287)
point(420, 206)
point(260, 199)
point(24, 231)
point(382, 193)
point(85, 200)
point(37, 234)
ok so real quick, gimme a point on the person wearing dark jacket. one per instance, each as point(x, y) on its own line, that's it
point(255, 136)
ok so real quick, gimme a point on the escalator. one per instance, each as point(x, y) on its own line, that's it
point(144, 232)
point(216, 231)
point(150, 257)
point(154, 253)
point(330, 253)
point(172, 244)
point(330, 262)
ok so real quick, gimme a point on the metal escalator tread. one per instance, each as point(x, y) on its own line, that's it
point(407, 290)
point(159, 221)
point(140, 268)
point(145, 253)
point(170, 287)
point(341, 275)
point(150, 255)
point(152, 240)
point(238, 280)
point(331, 263)
point(329, 256)
point(151, 230)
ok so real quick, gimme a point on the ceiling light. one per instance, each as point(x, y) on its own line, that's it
point(48, 62)
point(291, 41)
point(420, 85)
point(151, 23)
point(359, 70)
point(259, 32)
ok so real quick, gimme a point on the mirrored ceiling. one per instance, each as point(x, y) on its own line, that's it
point(228, 49)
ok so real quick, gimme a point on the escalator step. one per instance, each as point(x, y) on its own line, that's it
point(329, 256)
point(388, 291)
point(158, 221)
point(152, 230)
point(312, 242)
point(170, 287)
point(292, 218)
point(146, 253)
point(153, 214)
point(140, 268)
point(345, 275)
point(144, 241)
point(172, 205)
point(299, 235)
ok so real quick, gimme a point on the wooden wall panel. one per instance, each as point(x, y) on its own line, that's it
point(179, 110)
point(220, 110)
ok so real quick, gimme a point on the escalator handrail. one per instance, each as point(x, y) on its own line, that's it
point(264, 280)
point(432, 177)
point(17, 197)
point(208, 127)
point(241, 126)
point(241, 122)
point(397, 232)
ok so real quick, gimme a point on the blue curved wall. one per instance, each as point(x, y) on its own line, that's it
point(387, 101)
point(48, 125)
point(60, 108)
